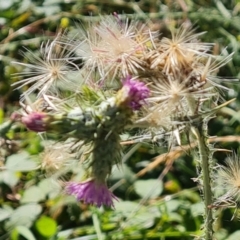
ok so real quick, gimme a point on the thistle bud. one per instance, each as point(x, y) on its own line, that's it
point(35, 121)
point(133, 93)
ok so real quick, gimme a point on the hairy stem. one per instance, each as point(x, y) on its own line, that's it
point(205, 155)
point(199, 129)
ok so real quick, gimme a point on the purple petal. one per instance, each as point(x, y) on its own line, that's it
point(137, 92)
point(35, 121)
point(91, 192)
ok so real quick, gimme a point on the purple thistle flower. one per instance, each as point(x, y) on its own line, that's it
point(35, 121)
point(91, 192)
point(137, 92)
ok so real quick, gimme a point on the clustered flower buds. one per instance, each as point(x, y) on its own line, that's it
point(129, 76)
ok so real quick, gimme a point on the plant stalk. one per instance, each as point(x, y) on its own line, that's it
point(199, 129)
point(205, 155)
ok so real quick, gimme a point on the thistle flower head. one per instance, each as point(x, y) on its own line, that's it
point(208, 71)
point(135, 92)
point(180, 51)
point(35, 121)
point(92, 192)
point(46, 70)
point(113, 47)
point(229, 180)
point(55, 157)
point(176, 95)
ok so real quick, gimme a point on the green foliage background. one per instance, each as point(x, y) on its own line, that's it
point(150, 206)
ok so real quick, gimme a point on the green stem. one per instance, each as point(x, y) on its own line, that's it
point(200, 131)
point(97, 226)
point(205, 154)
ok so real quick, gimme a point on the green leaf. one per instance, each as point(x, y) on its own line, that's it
point(5, 127)
point(48, 10)
point(197, 209)
point(6, 4)
point(24, 215)
point(1, 116)
point(108, 226)
point(65, 234)
point(234, 236)
point(46, 185)
point(172, 205)
point(33, 194)
point(123, 172)
point(46, 226)
point(9, 178)
point(175, 217)
point(5, 213)
point(25, 232)
point(141, 215)
point(221, 234)
point(125, 207)
point(50, 2)
point(20, 162)
point(14, 234)
point(50, 187)
point(143, 219)
point(151, 188)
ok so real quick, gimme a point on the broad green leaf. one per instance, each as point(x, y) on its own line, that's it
point(25, 232)
point(197, 209)
point(193, 196)
point(234, 236)
point(221, 234)
point(108, 226)
point(5, 213)
point(175, 217)
point(6, 4)
point(33, 194)
point(143, 219)
point(151, 188)
point(123, 172)
point(50, 2)
point(172, 205)
point(46, 185)
point(125, 207)
point(65, 234)
point(140, 215)
point(24, 215)
point(50, 187)
point(46, 226)
point(9, 178)
point(20, 162)
point(48, 10)
point(155, 211)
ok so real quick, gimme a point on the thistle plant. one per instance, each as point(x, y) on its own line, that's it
point(129, 77)
point(227, 182)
